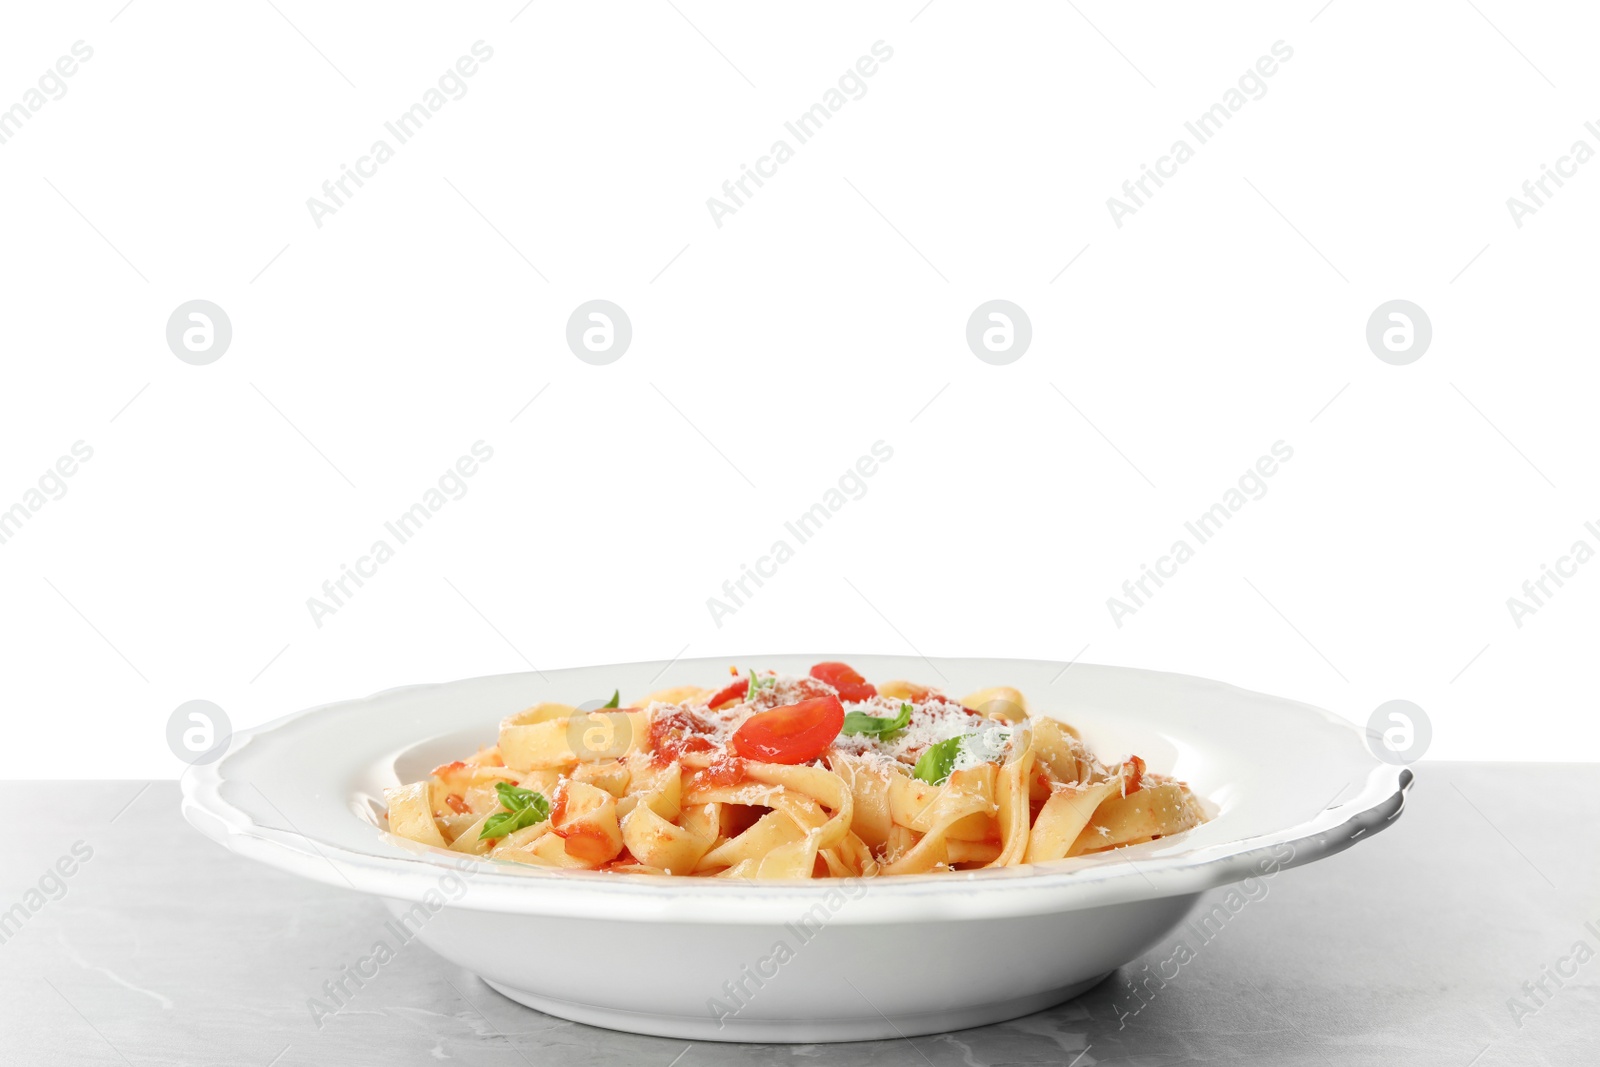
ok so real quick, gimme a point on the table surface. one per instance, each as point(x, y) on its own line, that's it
point(161, 947)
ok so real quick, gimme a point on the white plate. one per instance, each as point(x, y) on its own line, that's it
point(824, 960)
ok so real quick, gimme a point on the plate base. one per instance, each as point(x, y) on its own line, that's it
point(872, 1027)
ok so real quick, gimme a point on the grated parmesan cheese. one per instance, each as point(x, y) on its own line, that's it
point(932, 720)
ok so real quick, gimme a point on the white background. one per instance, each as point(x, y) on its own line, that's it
point(828, 313)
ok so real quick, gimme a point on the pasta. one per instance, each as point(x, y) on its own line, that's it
point(778, 776)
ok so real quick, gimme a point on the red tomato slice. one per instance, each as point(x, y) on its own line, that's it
point(735, 691)
point(846, 680)
point(794, 733)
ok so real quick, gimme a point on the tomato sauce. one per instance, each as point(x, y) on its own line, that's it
point(674, 733)
point(1134, 769)
point(587, 843)
point(725, 771)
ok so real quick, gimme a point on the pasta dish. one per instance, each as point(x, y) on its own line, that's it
point(778, 776)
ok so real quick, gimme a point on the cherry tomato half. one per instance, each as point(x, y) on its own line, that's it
point(735, 691)
point(794, 733)
point(846, 680)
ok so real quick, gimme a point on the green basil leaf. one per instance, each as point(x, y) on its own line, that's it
point(499, 825)
point(523, 807)
point(513, 798)
point(936, 761)
point(538, 810)
point(859, 722)
point(616, 699)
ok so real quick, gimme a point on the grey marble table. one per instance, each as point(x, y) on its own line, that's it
point(160, 947)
